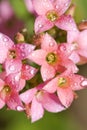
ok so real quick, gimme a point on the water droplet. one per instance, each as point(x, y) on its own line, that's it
point(23, 54)
point(5, 39)
point(62, 48)
point(66, 4)
point(12, 68)
point(27, 67)
point(57, 6)
point(32, 71)
point(40, 25)
point(84, 83)
point(51, 44)
point(74, 29)
point(19, 108)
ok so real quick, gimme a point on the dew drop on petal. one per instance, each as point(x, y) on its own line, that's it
point(19, 108)
point(12, 68)
point(62, 48)
point(40, 25)
point(84, 83)
point(5, 39)
point(51, 44)
point(57, 6)
point(32, 71)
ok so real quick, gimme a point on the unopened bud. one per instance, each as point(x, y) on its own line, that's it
point(82, 25)
point(19, 38)
point(71, 10)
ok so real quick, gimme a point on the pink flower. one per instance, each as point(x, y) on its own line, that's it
point(9, 96)
point(78, 39)
point(13, 54)
point(36, 100)
point(52, 13)
point(65, 84)
point(50, 58)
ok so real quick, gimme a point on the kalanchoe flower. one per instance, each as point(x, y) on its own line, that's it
point(13, 54)
point(65, 84)
point(9, 96)
point(78, 39)
point(52, 13)
point(50, 58)
point(36, 100)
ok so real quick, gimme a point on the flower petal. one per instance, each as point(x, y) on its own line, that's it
point(47, 72)
point(14, 102)
point(28, 72)
point(37, 110)
point(51, 103)
point(48, 43)
point(66, 96)
point(24, 50)
point(2, 103)
point(12, 66)
point(66, 23)
point(38, 56)
point(42, 24)
point(27, 96)
point(51, 86)
point(42, 6)
point(61, 6)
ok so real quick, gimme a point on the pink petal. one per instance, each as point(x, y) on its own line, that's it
point(37, 110)
point(12, 66)
point(61, 5)
point(42, 24)
point(38, 56)
point(74, 57)
point(66, 23)
point(2, 83)
point(2, 103)
point(47, 72)
point(48, 43)
point(22, 84)
point(72, 36)
point(28, 72)
point(82, 40)
point(27, 96)
point(41, 6)
point(3, 54)
point(5, 41)
point(51, 86)
point(5, 45)
point(66, 96)
point(14, 102)
point(14, 80)
point(51, 103)
point(82, 43)
point(24, 50)
point(70, 65)
point(77, 82)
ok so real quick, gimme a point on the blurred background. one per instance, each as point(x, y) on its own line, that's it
point(15, 16)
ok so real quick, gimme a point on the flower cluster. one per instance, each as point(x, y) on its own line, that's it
point(43, 75)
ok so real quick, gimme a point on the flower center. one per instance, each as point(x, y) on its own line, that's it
point(6, 89)
point(51, 58)
point(52, 15)
point(12, 54)
point(62, 82)
point(5, 92)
